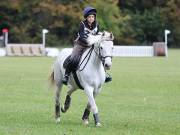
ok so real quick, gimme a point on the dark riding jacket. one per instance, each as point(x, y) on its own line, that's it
point(85, 29)
point(81, 44)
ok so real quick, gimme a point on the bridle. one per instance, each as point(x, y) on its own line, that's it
point(100, 56)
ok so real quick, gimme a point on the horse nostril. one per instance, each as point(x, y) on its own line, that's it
point(107, 67)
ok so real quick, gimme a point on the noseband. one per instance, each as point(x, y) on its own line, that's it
point(101, 57)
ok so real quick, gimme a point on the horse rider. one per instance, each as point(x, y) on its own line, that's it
point(88, 26)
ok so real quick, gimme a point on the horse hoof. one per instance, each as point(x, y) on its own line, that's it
point(85, 122)
point(63, 110)
point(98, 124)
point(58, 120)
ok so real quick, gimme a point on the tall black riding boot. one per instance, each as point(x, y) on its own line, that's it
point(108, 78)
point(66, 77)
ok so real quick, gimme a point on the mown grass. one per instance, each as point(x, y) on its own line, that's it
point(143, 99)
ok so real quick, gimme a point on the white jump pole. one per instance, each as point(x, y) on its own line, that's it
point(44, 32)
point(166, 32)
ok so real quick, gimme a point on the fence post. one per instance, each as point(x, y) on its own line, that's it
point(5, 34)
point(166, 32)
point(44, 31)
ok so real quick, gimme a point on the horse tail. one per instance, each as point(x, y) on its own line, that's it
point(51, 78)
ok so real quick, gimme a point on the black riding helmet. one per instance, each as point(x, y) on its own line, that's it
point(89, 11)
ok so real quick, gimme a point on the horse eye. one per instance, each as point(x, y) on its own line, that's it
point(101, 47)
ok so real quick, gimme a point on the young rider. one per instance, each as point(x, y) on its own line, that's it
point(88, 26)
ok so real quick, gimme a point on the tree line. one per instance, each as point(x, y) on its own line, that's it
point(132, 21)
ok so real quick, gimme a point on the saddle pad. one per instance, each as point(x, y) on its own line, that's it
point(66, 62)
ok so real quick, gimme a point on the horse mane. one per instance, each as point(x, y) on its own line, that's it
point(95, 39)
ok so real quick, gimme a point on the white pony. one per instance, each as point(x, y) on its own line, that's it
point(91, 74)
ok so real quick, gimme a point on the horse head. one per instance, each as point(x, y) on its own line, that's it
point(105, 49)
point(107, 36)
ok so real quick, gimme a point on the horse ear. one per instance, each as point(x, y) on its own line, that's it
point(112, 36)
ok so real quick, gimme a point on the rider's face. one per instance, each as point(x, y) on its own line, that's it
point(91, 19)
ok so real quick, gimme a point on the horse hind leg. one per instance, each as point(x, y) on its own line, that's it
point(57, 102)
point(67, 102)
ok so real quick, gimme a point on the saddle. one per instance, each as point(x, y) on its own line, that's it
point(73, 64)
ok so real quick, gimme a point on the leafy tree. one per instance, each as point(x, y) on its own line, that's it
point(148, 27)
point(132, 21)
point(110, 18)
point(150, 18)
point(171, 16)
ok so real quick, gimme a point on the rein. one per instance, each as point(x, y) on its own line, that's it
point(87, 55)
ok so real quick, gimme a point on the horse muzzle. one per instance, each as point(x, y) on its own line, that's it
point(107, 66)
point(107, 62)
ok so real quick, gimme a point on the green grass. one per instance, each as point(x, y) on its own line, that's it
point(143, 99)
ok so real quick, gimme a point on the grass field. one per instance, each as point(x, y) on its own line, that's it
point(143, 99)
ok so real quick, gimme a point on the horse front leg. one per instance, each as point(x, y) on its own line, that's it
point(93, 106)
point(86, 113)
